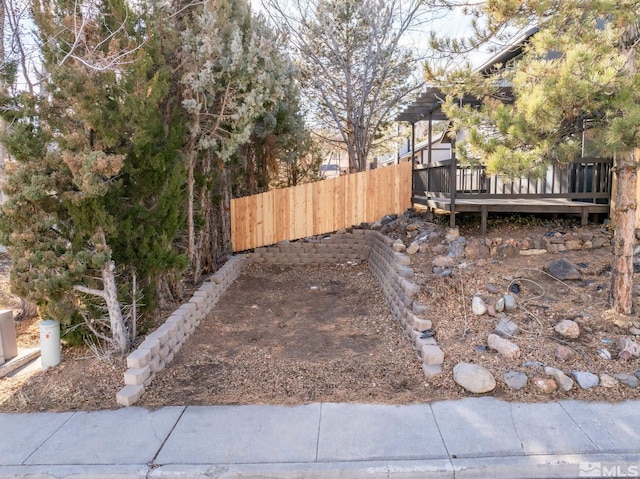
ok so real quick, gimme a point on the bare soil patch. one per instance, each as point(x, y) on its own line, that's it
point(293, 334)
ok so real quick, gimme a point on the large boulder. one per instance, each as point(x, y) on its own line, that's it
point(474, 378)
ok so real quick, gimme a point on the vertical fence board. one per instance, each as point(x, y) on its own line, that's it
point(321, 207)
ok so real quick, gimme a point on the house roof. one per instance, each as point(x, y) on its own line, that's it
point(429, 101)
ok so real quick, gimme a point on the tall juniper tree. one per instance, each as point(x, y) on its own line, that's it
point(95, 188)
point(233, 72)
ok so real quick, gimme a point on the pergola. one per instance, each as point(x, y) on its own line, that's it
point(428, 107)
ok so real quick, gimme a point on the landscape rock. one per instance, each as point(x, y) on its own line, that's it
point(452, 235)
point(507, 251)
point(504, 347)
point(491, 288)
point(439, 249)
point(585, 379)
point(564, 382)
point(444, 261)
point(563, 270)
point(628, 348)
point(474, 378)
point(388, 219)
point(567, 328)
point(506, 328)
point(491, 310)
point(564, 353)
point(532, 252)
point(456, 248)
point(607, 381)
point(478, 306)
point(544, 385)
point(629, 380)
point(476, 249)
point(515, 379)
point(500, 305)
point(399, 246)
point(413, 248)
point(604, 354)
point(509, 302)
point(532, 364)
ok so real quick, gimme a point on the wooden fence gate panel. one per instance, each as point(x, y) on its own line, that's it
point(320, 207)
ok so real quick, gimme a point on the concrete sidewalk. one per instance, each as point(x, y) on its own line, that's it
point(473, 437)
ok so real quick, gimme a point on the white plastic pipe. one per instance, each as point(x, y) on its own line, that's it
point(50, 349)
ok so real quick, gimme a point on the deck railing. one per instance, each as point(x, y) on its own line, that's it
point(585, 179)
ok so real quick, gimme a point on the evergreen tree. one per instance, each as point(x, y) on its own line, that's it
point(578, 73)
point(233, 72)
point(95, 190)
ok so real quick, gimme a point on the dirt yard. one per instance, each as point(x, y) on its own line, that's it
point(291, 335)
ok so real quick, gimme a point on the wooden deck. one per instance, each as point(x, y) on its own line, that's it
point(484, 206)
point(581, 188)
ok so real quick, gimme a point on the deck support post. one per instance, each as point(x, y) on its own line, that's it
point(484, 213)
point(453, 183)
point(585, 216)
point(429, 151)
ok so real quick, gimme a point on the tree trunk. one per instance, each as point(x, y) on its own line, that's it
point(191, 229)
point(624, 218)
point(116, 320)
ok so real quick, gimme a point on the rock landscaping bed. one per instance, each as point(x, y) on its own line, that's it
point(521, 315)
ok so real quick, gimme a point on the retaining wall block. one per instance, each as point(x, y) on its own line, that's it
point(432, 354)
point(405, 271)
point(149, 380)
point(418, 322)
point(420, 308)
point(419, 342)
point(207, 287)
point(154, 364)
point(164, 352)
point(402, 259)
point(408, 329)
point(201, 302)
point(410, 288)
point(136, 376)
point(180, 335)
point(152, 344)
point(129, 394)
point(161, 365)
point(431, 370)
point(139, 358)
point(162, 335)
point(173, 341)
point(170, 328)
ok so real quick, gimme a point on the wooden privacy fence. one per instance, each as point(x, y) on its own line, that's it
point(320, 207)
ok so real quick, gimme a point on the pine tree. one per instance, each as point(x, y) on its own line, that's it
point(579, 73)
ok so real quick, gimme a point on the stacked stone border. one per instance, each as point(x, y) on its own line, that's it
point(391, 269)
point(159, 347)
